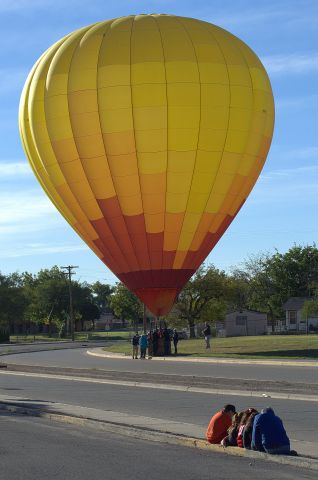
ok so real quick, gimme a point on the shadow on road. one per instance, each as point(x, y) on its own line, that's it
point(307, 353)
point(27, 407)
point(11, 389)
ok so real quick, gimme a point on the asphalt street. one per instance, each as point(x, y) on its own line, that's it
point(45, 346)
point(300, 418)
point(35, 449)
point(194, 408)
point(79, 359)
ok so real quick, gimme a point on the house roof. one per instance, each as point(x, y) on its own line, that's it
point(295, 303)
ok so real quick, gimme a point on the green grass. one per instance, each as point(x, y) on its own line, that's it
point(79, 336)
point(262, 347)
point(33, 338)
point(124, 335)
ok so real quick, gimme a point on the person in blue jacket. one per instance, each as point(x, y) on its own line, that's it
point(143, 343)
point(269, 434)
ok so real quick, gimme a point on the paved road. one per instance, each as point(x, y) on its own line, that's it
point(35, 449)
point(300, 418)
point(79, 359)
point(9, 348)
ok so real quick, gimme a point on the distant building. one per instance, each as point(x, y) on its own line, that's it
point(294, 321)
point(107, 321)
point(243, 323)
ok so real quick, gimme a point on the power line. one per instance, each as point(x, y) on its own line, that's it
point(69, 272)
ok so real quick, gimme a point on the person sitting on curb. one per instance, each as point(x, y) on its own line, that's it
point(248, 430)
point(241, 428)
point(269, 434)
point(231, 439)
point(135, 345)
point(143, 342)
point(219, 424)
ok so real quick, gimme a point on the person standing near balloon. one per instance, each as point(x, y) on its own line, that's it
point(175, 337)
point(207, 335)
point(167, 341)
point(135, 346)
point(150, 344)
point(155, 339)
point(143, 342)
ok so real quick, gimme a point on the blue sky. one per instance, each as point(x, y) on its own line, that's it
point(282, 209)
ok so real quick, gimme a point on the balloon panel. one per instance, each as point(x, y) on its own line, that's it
point(148, 133)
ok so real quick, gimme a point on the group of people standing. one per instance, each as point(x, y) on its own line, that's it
point(157, 342)
point(249, 429)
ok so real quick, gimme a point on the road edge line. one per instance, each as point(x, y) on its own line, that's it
point(222, 360)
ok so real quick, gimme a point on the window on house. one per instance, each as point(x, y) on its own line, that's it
point(292, 317)
point(241, 320)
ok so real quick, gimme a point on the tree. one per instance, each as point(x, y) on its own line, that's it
point(13, 303)
point(102, 294)
point(48, 292)
point(126, 305)
point(274, 278)
point(263, 294)
point(49, 299)
point(88, 312)
point(310, 307)
point(202, 298)
point(295, 271)
point(239, 290)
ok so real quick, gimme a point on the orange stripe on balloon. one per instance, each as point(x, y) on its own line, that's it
point(112, 212)
point(194, 259)
point(172, 231)
point(202, 228)
point(110, 247)
point(114, 266)
point(155, 244)
point(168, 259)
point(137, 232)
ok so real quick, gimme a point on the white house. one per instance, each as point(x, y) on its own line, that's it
point(244, 322)
point(294, 321)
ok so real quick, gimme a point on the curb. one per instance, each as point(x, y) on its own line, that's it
point(161, 437)
point(280, 363)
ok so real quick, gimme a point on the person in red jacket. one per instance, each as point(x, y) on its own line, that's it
point(219, 423)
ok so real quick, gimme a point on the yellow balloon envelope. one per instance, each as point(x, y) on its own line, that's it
point(148, 132)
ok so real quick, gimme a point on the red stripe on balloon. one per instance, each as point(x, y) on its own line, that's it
point(169, 278)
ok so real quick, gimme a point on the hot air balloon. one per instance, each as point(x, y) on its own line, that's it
point(147, 133)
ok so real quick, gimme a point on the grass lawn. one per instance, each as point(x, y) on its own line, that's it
point(124, 335)
point(80, 336)
point(262, 347)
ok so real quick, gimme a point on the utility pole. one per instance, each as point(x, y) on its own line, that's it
point(69, 274)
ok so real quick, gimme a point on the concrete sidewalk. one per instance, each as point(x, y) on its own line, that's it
point(151, 429)
point(100, 352)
